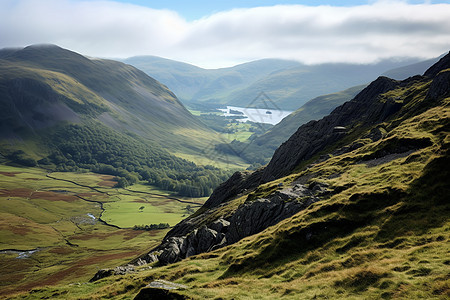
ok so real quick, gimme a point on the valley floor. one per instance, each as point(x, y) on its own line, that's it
point(60, 228)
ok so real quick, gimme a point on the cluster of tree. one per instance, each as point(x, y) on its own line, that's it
point(100, 149)
point(151, 226)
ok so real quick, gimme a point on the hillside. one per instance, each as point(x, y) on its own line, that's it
point(351, 206)
point(288, 84)
point(64, 111)
point(120, 96)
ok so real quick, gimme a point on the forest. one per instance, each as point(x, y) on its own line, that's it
point(96, 148)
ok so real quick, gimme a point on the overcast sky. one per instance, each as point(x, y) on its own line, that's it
point(224, 33)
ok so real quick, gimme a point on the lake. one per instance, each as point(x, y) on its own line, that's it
point(257, 115)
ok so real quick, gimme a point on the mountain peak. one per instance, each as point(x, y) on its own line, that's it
point(442, 64)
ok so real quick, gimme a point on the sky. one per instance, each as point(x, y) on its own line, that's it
point(214, 34)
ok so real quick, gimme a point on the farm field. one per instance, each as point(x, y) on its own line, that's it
point(51, 228)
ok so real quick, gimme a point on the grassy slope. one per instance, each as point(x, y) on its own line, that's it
point(382, 233)
point(44, 85)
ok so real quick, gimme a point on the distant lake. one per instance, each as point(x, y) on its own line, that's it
point(257, 115)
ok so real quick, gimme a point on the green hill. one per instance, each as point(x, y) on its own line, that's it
point(62, 110)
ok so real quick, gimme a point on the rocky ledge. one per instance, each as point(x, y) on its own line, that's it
point(251, 217)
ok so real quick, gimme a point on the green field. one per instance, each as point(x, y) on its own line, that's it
point(56, 218)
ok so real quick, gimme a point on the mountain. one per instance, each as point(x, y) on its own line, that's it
point(108, 90)
point(197, 85)
point(62, 109)
point(354, 205)
point(289, 84)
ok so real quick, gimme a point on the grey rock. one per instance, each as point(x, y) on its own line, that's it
point(220, 225)
point(236, 184)
point(166, 285)
point(120, 270)
point(161, 290)
point(172, 250)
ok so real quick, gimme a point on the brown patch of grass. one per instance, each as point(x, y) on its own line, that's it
point(127, 234)
point(77, 269)
point(16, 229)
point(24, 193)
point(107, 181)
point(9, 174)
point(87, 195)
point(52, 196)
point(28, 193)
point(61, 250)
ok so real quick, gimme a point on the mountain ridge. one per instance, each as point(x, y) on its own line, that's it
point(370, 123)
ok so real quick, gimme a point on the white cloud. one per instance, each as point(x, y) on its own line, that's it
point(317, 34)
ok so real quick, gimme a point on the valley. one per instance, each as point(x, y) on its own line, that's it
point(75, 223)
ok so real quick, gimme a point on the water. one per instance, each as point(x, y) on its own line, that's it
point(257, 115)
point(21, 254)
point(92, 216)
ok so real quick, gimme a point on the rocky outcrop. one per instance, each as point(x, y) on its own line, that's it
point(442, 64)
point(238, 183)
point(440, 86)
point(255, 216)
point(250, 218)
point(120, 270)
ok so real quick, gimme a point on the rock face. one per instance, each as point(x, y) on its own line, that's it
point(238, 183)
point(250, 218)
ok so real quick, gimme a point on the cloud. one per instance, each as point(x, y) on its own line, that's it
point(364, 33)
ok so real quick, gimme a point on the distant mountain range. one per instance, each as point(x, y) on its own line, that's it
point(289, 84)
